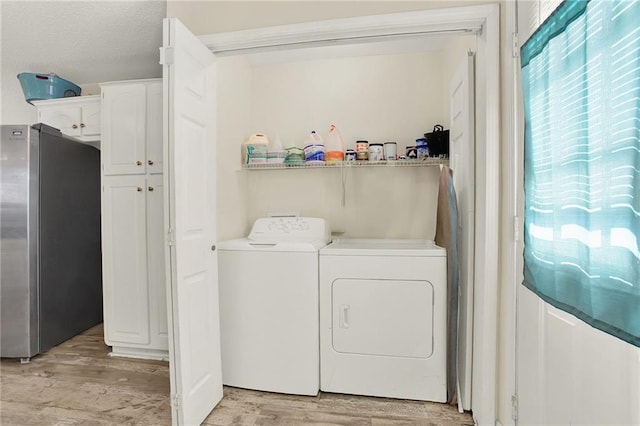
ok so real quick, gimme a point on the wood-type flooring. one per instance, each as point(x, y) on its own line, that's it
point(76, 383)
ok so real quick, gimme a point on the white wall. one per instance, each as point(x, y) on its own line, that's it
point(234, 112)
point(377, 98)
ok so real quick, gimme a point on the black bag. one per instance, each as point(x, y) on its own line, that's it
point(438, 142)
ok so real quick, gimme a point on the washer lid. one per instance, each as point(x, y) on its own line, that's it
point(382, 247)
point(272, 230)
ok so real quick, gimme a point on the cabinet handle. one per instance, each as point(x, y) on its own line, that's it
point(150, 162)
point(139, 163)
point(139, 189)
point(151, 188)
point(82, 125)
point(75, 126)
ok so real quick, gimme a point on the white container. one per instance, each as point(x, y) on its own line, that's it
point(254, 150)
point(376, 152)
point(390, 151)
point(423, 152)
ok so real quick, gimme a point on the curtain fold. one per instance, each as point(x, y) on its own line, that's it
point(581, 87)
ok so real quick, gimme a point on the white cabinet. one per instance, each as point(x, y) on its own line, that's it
point(132, 127)
point(135, 308)
point(79, 116)
point(133, 266)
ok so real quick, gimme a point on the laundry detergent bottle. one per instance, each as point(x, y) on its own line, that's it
point(334, 146)
point(314, 149)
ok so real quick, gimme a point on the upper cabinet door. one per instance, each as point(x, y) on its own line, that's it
point(76, 116)
point(65, 119)
point(154, 128)
point(91, 120)
point(194, 331)
point(123, 130)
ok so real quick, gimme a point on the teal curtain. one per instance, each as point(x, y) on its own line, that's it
point(581, 87)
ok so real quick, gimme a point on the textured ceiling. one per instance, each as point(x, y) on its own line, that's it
point(83, 41)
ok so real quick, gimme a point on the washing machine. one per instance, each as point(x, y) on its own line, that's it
point(269, 307)
point(383, 318)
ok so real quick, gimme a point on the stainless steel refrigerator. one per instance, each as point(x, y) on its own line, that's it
point(50, 254)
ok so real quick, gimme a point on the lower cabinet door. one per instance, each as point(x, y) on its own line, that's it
point(156, 263)
point(124, 251)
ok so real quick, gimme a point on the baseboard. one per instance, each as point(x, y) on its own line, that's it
point(138, 353)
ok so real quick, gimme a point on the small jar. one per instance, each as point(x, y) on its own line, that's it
point(362, 155)
point(362, 146)
point(294, 155)
point(350, 155)
point(376, 152)
point(412, 153)
point(390, 151)
point(422, 149)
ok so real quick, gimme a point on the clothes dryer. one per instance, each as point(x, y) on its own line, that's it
point(268, 284)
point(383, 319)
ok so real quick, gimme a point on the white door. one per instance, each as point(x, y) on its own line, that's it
point(190, 217)
point(461, 160)
point(571, 373)
point(567, 371)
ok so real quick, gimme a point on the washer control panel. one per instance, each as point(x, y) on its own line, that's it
point(285, 229)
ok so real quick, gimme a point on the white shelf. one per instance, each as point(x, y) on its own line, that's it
point(348, 164)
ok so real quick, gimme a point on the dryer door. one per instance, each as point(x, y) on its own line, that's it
point(383, 317)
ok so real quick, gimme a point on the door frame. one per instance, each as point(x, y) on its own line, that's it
point(512, 211)
point(484, 20)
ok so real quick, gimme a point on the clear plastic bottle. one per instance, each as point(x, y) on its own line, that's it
point(275, 152)
point(334, 145)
